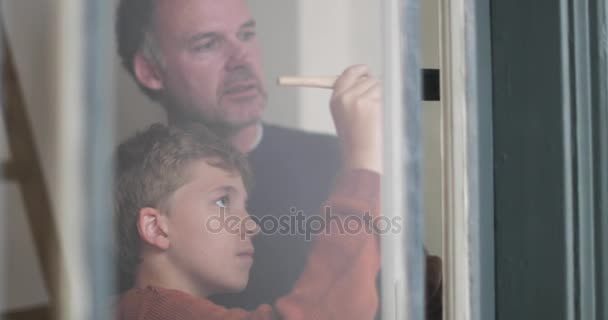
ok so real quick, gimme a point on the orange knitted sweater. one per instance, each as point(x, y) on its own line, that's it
point(339, 281)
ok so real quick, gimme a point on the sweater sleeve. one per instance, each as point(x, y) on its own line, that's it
point(339, 280)
point(155, 303)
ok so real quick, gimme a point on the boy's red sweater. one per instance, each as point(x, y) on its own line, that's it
point(339, 281)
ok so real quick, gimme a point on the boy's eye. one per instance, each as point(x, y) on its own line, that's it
point(223, 202)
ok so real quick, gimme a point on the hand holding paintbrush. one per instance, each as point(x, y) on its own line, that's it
point(356, 107)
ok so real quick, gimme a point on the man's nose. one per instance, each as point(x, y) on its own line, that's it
point(238, 53)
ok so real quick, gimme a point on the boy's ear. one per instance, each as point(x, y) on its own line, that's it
point(153, 229)
point(147, 72)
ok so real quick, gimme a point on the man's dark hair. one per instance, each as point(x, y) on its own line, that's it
point(150, 167)
point(134, 19)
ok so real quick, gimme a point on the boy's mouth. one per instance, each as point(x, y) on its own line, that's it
point(246, 253)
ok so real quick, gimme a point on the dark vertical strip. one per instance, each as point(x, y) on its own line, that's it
point(585, 183)
point(484, 139)
point(531, 206)
point(598, 15)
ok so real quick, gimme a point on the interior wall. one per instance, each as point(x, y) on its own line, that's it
point(330, 42)
point(278, 23)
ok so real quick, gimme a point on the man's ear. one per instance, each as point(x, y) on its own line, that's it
point(147, 72)
point(153, 228)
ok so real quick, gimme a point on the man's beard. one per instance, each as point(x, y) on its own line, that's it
point(179, 114)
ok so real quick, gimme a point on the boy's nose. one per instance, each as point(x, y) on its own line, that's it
point(250, 227)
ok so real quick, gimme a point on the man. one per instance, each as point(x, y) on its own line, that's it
point(201, 60)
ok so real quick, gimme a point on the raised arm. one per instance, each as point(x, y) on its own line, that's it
point(339, 281)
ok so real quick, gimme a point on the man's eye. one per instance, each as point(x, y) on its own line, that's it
point(210, 45)
point(247, 35)
point(223, 202)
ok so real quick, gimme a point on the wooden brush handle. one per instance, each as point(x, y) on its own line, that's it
point(313, 82)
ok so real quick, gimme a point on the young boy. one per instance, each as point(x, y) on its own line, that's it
point(172, 182)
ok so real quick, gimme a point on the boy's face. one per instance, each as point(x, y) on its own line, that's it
point(206, 252)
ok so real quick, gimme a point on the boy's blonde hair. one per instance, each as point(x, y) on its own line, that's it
point(150, 167)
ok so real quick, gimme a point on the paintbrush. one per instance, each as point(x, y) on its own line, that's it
point(430, 83)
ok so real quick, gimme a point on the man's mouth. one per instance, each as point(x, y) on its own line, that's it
point(241, 89)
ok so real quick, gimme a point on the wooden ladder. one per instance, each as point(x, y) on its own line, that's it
point(24, 168)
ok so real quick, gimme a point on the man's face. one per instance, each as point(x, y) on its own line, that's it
point(204, 249)
point(211, 61)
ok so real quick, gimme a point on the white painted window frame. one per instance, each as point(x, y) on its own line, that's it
point(403, 285)
point(464, 196)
